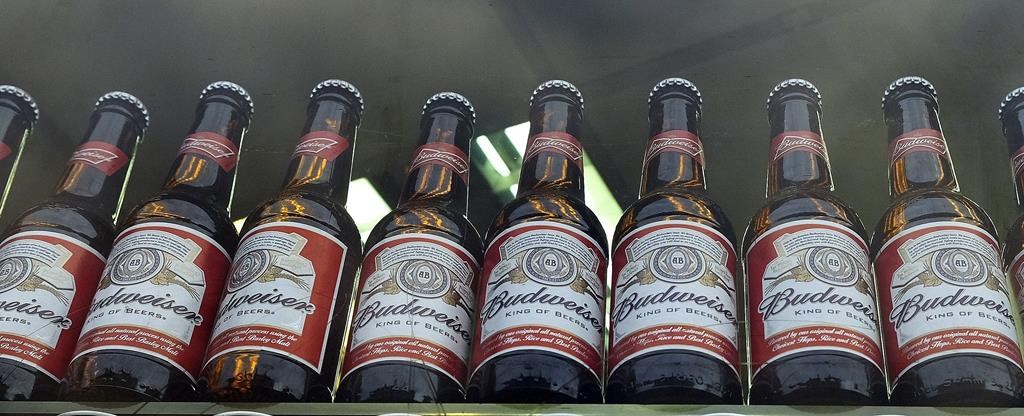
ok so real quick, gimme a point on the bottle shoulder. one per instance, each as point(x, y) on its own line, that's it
point(928, 206)
point(310, 209)
point(552, 206)
point(70, 220)
point(674, 206)
point(187, 211)
point(800, 204)
point(428, 219)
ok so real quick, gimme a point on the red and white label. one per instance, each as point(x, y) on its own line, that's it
point(157, 295)
point(5, 150)
point(810, 288)
point(675, 141)
point(942, 292)
point(1016, 272)
point(1017, 163)
point(323, 144)
point(798, 141)
point(921, 140)
point(415, 305)
point(444, 155)
point(281, 294)
point(673, 290)
point(562, 143)
point(544, 291)
point(46, 283)
point(101, 155)
point(213, 146)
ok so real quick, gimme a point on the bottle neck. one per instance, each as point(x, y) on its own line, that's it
point(554, 155)
point(1013, 129)
point(97, 172)
point(14, 129)
point(674, 158)
point(798, 155)
point(205, 166)
point(322, 160)
point(918, 155)
point(439, 169)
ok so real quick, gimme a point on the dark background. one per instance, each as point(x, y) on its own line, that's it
point(66, 53)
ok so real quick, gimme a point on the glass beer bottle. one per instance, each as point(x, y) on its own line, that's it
point(1011, 115)
point(18, 115)
point(150, 320)
point(52, 254)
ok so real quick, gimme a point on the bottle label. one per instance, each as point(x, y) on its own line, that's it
point(803, 141)
point(942, 293)
point(323, 144)
point(921, 140)
point(46, 283)
point(415, 305)
point(674, 290)
point(1016, 273)
point(5, 150)
point(675, 141)
point(559, 142)
point(810, 288)
point(544, 291)
point(160, 286)
point(1017, 164)
point(442, 154)
point(211, 145)
point(280, 295)
point(101, 155)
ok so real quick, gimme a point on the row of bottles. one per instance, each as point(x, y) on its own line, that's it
point(174, 305)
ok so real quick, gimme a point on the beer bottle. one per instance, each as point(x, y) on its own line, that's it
point(412, 326)
point(539, 333)
point(950, 334)
point(147, 327)
point(1012, 119)
point(814, 335)
point(18, 115)
point(52, 254)
point(292, 276)
point(672, 247)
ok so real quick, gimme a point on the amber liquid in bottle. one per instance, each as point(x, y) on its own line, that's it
point(295, 363)
point(799, 189)
point(925, 193)
point(431, 215)
point(76, 221)
point(550, 191)
point(193, 204)
point(673, 204)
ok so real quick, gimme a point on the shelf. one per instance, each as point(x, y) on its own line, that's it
point(347, 409)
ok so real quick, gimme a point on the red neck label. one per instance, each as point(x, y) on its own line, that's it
point(101, 155)
point(1017, 164)
point(798, 141)
point(323, 144)
point(213, 146)
point(921, 140)
point(675, 141)
point(5, 150)
point(444, 155)
point(558, 142)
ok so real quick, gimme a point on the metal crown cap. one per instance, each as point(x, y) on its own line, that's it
point(909, 81)
point(557, 83)
point(459, 100)
point(1011, 97)
point(675, 82)
point(340, 85)
point(790, 83)
point(24, 97)
point(129, 99)
point(234, 88)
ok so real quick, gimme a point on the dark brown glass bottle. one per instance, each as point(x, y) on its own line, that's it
point(673, 327)
point(412, 328)
point(810, 295)
point(292, 276)
point(52, 254)
point(150, 320)
point(950, 334)
point(539, 334)
point(18, 115)
point(1011, 114)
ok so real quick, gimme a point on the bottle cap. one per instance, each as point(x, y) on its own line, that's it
point(556, 86)
point(907, 84)
point(232, 90)
point(1013, 98)
point(454, 99)
point(24, 101)
point(341, 87)
point(793, 85)
point(670, 85)
point(135, 105)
